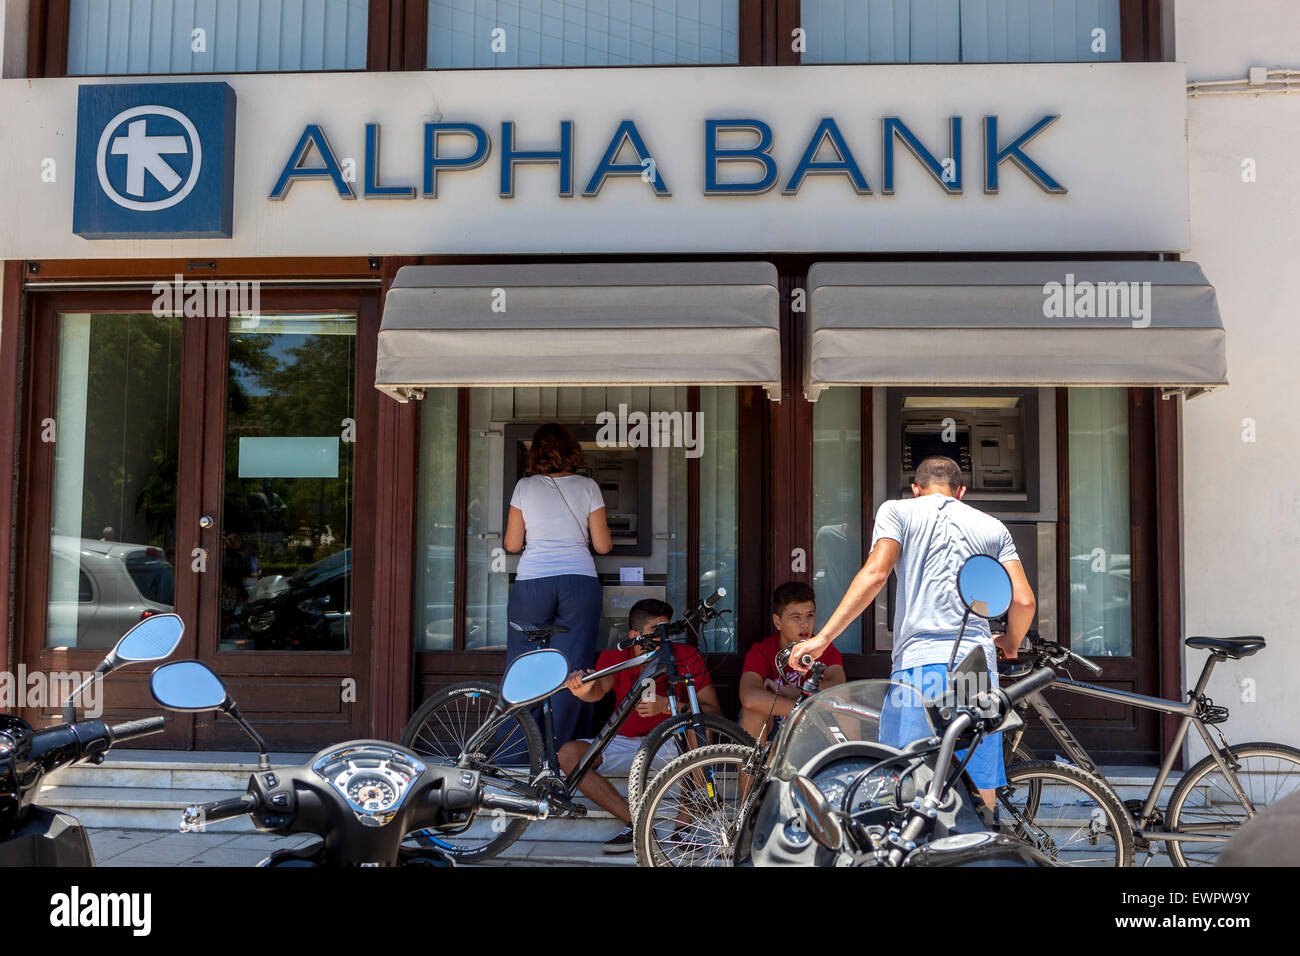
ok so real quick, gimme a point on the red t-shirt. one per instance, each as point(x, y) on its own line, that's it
point(689, 661)
point(761, 660)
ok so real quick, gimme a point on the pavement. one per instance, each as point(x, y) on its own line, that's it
point(115, 846)
point(121, 847)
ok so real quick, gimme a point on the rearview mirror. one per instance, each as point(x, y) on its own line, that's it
point(533, 676)
point(188, 686)
point(153, 639)
point(985, 586)
point(818, 817)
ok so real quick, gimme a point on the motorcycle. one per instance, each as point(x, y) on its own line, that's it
point(838, 794)
point(33, 835)
point(361, 797)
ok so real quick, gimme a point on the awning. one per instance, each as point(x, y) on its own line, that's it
point(1135, 323)
point(555, 324)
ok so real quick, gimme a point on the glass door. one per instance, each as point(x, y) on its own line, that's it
point(279, 524)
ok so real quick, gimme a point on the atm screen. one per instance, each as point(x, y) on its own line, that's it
point(922, 445)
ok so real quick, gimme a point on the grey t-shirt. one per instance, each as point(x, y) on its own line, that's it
point(937, 534)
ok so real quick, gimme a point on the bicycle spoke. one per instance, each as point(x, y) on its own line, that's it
point(1214, 807)
point(691, 822)
point(1067, 824)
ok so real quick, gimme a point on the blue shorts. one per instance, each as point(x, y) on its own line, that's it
point(903, 720)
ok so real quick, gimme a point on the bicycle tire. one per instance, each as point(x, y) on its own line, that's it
point(644, 838)
point(1029, 827)
point(638, 774)
point(1178, 852)
point(1017, 755)
point(439, 717)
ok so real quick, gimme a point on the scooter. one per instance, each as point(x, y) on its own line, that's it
point(362, 797)
point(840, 796)
point(32, 835)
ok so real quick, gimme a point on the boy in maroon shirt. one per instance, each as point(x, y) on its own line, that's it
point(765, 694)
point(616, 760)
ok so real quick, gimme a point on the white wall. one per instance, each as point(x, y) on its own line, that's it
point(1241, 501)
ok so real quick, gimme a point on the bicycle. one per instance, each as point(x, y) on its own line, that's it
point(700, 783)
point(1209, 803)
point(470, 725)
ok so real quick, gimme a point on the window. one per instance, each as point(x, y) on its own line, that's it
point(498, 416)
point(837, 505)
point(115, 468)
point(286, 526)
point(960, 31)
point(215, 36)
point(1101, 600)
point(514, 33)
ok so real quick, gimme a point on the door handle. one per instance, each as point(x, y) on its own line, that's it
point(206, 522)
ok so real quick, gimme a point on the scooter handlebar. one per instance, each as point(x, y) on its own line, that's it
point(136, 728)
point(198, 815)
point(1036, 681)
point(515, 806)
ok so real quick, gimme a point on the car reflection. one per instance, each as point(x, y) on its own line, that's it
point(101, 589)
point(308, 610)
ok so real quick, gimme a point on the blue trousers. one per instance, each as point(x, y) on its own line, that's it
point(571, 600)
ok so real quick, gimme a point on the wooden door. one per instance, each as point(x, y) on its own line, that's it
point(137, 427)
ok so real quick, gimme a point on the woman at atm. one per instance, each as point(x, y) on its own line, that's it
point(558, 518)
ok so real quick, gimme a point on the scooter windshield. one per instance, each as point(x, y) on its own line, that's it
point(871, 711)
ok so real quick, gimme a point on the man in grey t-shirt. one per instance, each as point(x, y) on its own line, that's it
point(927, 539)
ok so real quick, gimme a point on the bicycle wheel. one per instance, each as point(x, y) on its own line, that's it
point(679, 734)
point(689, 807)
point(439, 730)
point(1077, 821)
point(1204, 800)
point(1022, 754)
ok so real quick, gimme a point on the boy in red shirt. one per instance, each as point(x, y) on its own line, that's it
point(644, 616)
point(765, 694)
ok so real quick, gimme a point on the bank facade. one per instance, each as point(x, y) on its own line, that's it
point(761, 257)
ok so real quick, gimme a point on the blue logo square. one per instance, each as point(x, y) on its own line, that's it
point(155, 161)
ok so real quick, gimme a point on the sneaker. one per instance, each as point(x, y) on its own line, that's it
point(621, 843)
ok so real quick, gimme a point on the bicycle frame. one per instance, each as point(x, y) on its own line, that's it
point(1189, 712)
point(659, 662)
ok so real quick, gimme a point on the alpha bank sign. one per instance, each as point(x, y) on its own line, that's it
point(457, 147)
point(157, 160)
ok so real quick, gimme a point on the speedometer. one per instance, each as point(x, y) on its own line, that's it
point(371, 791)
point(374, 778)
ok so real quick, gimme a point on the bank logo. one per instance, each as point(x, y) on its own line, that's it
point(155, 160)
point(145, 154)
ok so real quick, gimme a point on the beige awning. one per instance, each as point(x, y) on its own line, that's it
point(557, 324)
point(1131, 323)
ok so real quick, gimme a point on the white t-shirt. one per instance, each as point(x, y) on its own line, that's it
point(937, 534)
point(555, 529)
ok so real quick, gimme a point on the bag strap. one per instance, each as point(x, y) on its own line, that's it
point(586, 532)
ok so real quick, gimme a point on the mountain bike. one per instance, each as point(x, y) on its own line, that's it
point(1211, 800)
point(483, 727)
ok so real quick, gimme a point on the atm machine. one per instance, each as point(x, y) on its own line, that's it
point(1004, 440)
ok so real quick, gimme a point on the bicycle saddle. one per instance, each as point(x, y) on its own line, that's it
point(539, 633)
point(1233, 647)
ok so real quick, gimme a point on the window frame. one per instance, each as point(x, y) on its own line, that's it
point(397, 37)
point(49, 24)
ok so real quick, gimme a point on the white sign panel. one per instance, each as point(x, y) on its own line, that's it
point(955, 158)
